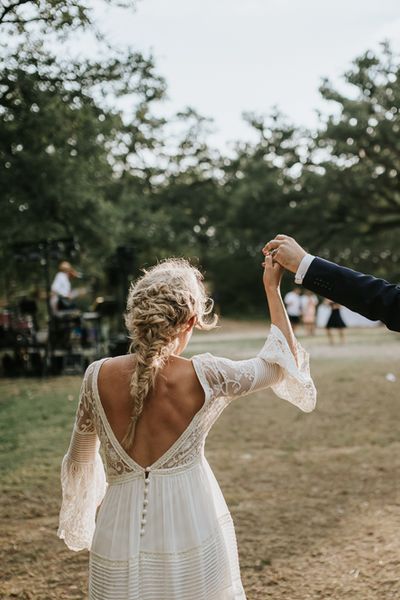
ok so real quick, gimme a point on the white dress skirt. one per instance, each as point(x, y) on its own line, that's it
point(165, 532)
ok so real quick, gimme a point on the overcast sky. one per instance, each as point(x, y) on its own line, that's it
point(224, 57)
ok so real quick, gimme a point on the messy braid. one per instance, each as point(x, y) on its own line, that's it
point(159, 305)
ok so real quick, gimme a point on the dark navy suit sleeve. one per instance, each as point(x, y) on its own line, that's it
point(373, 298)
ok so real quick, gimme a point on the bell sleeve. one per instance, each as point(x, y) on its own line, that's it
point(274, 367)
point(295, 383)
point(83, 479)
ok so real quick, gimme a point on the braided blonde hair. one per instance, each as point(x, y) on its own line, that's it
point(159, 306)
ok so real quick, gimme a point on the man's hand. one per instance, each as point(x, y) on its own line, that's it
point(285, 251)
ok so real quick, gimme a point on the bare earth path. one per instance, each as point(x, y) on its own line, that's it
point(315, 498)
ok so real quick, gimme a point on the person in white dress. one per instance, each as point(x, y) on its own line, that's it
point(293, 302)
point(150, 509)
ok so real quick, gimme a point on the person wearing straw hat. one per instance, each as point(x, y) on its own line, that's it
point(61, 289)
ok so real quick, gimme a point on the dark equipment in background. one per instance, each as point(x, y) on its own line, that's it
point(72, 338)
point(24, 352)
point(21, 351)
point(121, 270)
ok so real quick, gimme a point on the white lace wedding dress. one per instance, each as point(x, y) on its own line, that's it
point(165, 532)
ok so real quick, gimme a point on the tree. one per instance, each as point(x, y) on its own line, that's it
point(350, 185)
point(175, 200)
point(62, 147)
point(258, 199)
point(54, 15)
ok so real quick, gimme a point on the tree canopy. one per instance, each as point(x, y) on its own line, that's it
point(50, 15)
point(75, 164)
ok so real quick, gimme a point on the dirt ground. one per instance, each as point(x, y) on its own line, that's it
point(315, 497)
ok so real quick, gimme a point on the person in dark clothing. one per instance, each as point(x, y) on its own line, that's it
point(335, 321)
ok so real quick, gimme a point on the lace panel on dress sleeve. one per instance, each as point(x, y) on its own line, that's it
point(296, 384)
point(233, 378)
point(274, 366)
point(82, 476)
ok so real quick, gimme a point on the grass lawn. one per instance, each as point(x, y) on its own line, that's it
point(315, 497)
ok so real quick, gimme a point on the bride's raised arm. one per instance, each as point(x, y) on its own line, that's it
point(282, 364)
point(272, 277)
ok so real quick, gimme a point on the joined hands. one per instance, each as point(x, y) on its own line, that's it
point(285, 251)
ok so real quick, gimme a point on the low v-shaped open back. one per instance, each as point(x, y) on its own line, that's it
point(117, 444)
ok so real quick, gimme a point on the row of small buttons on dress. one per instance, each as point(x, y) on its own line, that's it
point(145, 500)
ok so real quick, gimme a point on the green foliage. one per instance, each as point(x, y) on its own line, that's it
point(258, 195)
point(351, 194)
point(18, 16)
point(132, 188)
point(62, 146)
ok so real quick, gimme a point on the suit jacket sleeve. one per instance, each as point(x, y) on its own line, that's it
point(373, 298)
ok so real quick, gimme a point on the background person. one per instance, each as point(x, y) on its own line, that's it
point(335, 321)
point(61, 289)
point(293, 304)
point(309, 309)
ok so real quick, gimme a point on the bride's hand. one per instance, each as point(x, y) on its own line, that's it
point(273, 273)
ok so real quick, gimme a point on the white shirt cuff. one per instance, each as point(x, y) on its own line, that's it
point(303, 268)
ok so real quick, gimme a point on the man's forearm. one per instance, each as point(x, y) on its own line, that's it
point(373, 298)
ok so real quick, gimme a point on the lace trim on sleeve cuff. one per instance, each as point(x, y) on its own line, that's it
point(83, 489)
point(296, 384)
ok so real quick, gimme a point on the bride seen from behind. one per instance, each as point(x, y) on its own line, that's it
point(163, 529)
